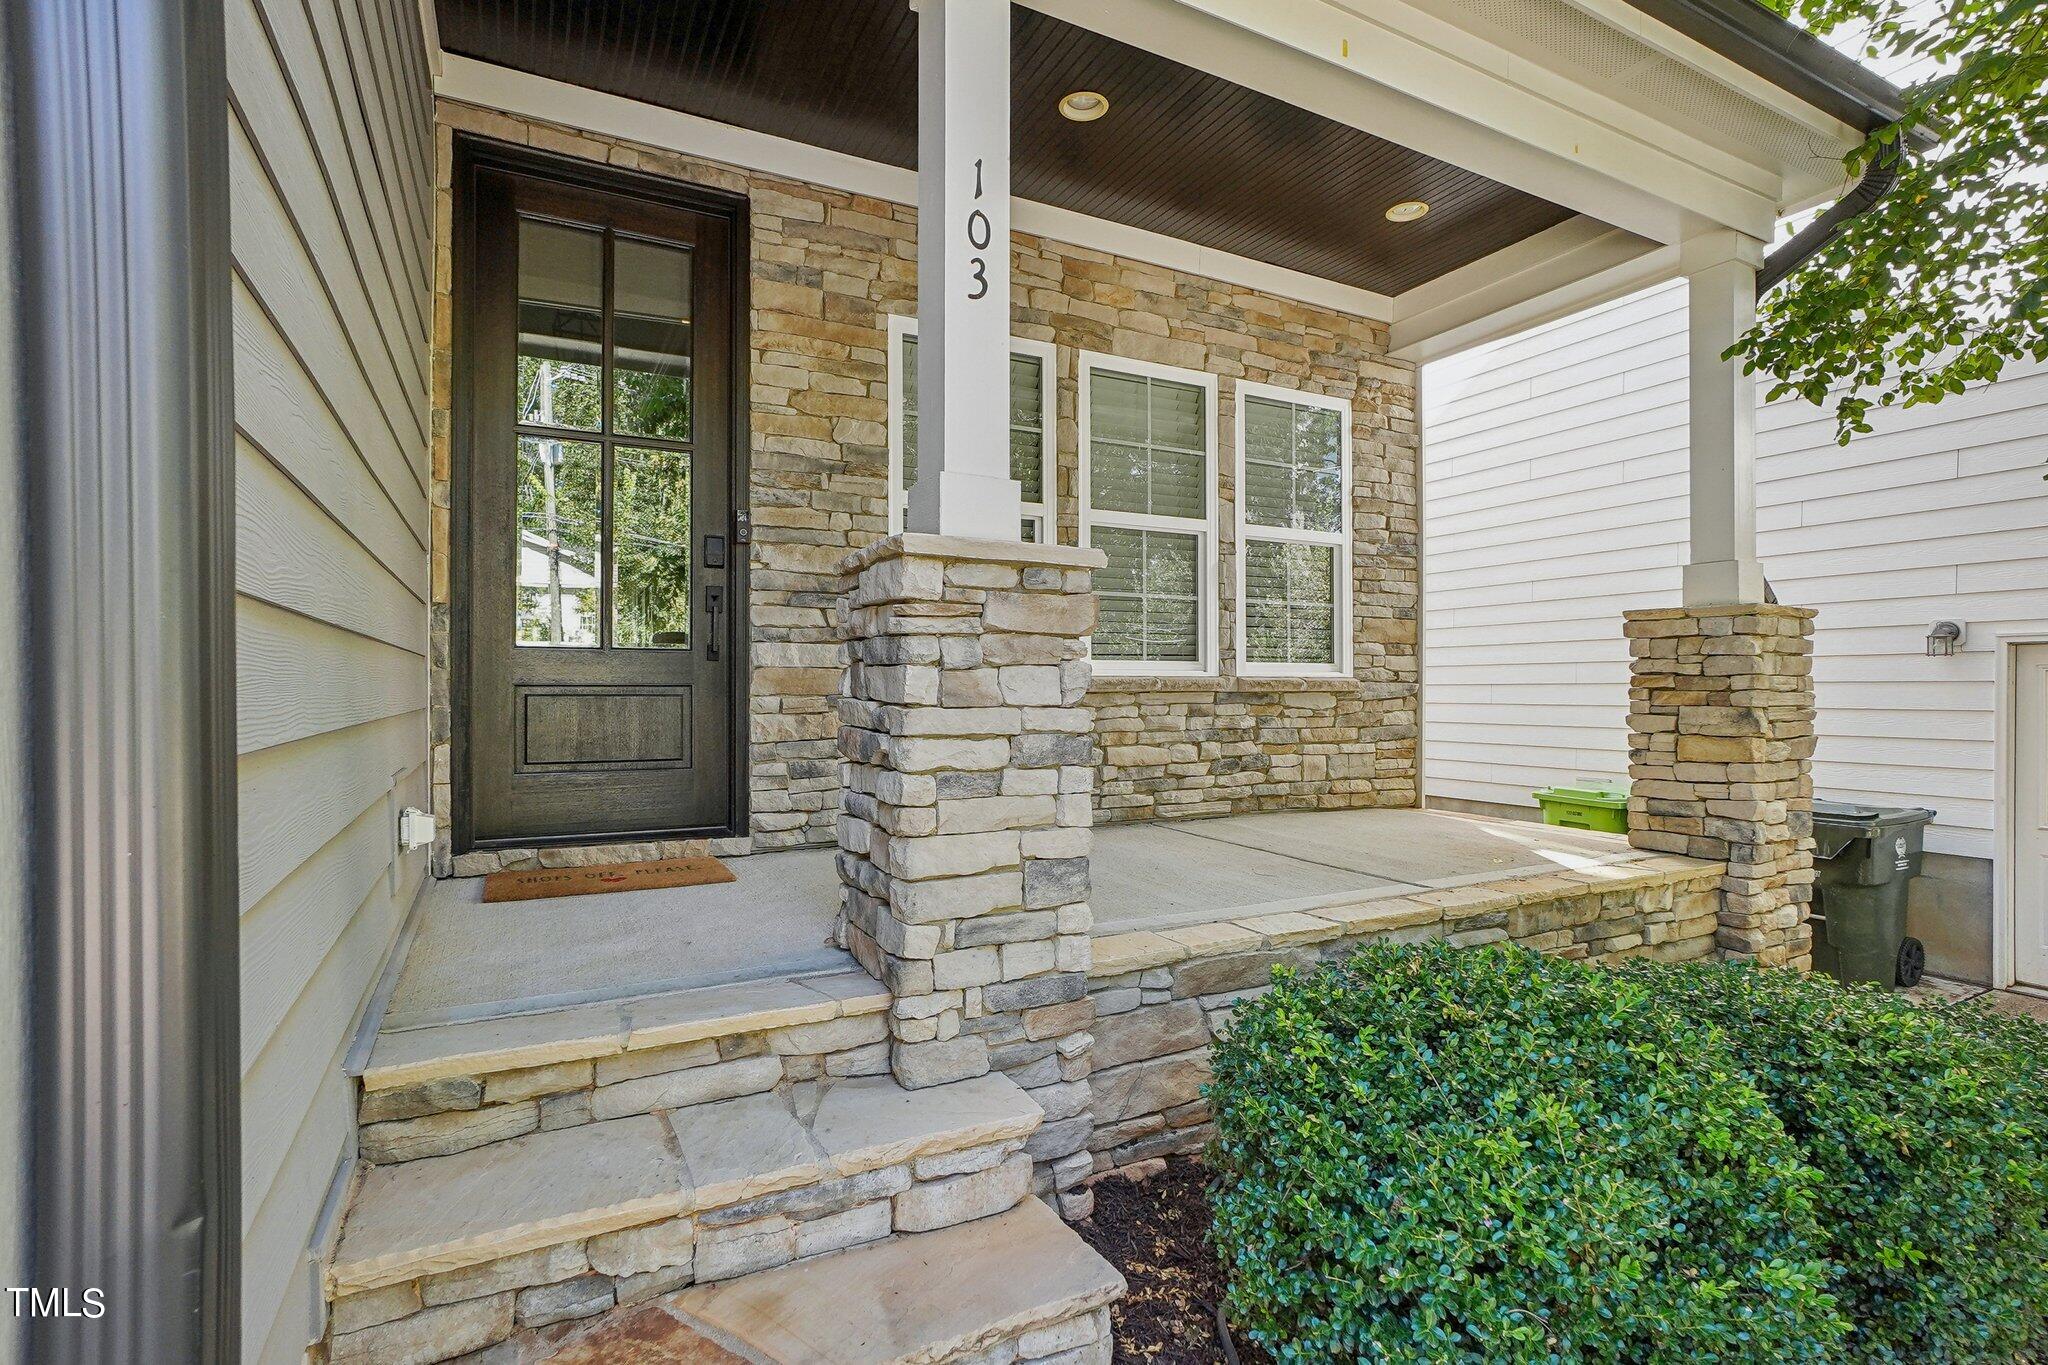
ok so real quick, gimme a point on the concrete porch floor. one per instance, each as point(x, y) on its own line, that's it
point(470, 961)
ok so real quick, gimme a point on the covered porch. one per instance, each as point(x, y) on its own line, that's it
point(469, 961)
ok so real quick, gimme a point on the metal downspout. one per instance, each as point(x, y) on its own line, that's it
point(1878, 178)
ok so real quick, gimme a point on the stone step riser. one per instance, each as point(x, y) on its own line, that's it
point(1016, 1287)
point(458, 1113)
point(422, 1318)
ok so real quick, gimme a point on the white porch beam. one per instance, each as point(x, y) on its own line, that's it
point(1400, 74)
point(1578, 264)
point(963, 483)
point(1722, 570)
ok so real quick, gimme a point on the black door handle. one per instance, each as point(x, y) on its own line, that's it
point(714, 602)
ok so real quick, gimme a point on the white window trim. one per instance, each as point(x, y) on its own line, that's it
point(1340, 538)
point(1205, 666)
point(903, 325)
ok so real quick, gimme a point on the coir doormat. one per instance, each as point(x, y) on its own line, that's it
point(542, 882)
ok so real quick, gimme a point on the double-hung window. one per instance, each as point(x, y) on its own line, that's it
point(1148, 479)
point(1293, 533)
point(1031, 426)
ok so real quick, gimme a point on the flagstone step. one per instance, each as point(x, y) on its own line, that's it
point(635, 1206)
point(412, 1056)
point(1020, 1286)
point(438, 1090)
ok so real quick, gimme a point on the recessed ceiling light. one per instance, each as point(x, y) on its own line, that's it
point(1084, 106)
point(1407, 211)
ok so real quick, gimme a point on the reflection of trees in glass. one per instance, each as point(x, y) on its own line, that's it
point(1293, 465)
point(558, 509)
point(650, 546)
point(1290, 603)
point(651, 403)
point(556, 393)
point(1149, 594)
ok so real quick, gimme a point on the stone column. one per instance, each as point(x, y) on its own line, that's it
point(1720, 754)
point(964, 825)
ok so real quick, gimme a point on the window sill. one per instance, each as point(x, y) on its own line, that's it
point(1188, 682)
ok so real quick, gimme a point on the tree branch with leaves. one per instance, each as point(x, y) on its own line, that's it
point(1945, 280)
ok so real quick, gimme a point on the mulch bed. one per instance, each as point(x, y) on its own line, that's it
point(1156, 1231)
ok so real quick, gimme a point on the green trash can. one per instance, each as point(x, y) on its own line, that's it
point(1863, 857)
point(1601, 805)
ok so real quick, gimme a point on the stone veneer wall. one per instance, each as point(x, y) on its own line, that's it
point(827, 269)
point(1162, 998)
point(1720, 762)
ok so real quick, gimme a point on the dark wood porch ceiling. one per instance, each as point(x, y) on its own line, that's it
point(1181, 152)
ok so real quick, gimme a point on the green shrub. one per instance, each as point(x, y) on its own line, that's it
point(1436, 1155)
point(1429, 1155)
point(1930, 1131)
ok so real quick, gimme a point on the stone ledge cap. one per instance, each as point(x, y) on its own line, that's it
point(1121, 952)
point(920, 545)
point(1777, 609)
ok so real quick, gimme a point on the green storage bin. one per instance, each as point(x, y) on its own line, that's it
point(1586, 805)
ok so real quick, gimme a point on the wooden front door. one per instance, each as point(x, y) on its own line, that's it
point(601, 561)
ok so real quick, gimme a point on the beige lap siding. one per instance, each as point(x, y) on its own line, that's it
point(827, 268)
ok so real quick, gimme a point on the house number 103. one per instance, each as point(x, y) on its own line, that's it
point(979, 234)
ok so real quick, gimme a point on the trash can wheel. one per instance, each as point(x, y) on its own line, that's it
point(1912, 962)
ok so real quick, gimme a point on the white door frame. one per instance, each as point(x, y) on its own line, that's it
point(2004, 838)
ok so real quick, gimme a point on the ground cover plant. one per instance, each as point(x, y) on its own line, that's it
point(1428, 1154)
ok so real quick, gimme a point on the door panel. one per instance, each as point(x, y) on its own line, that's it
point(600, 467)
point(2030, 815)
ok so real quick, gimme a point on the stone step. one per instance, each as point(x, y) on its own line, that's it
point(1017, 1286)
point(447, 1088)
point(565, 1223)
point(1021, 1286)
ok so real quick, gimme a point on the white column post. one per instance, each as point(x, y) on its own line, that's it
point(963, 484)
point(1722, 569)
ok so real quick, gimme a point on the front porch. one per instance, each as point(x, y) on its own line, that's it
point(471, 962)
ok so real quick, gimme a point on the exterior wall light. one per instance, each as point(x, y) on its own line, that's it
point(1407, 211)
point(1944, 639)
point(1084, 106)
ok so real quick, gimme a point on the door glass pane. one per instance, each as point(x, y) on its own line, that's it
point(650, 548)
point(559, 511)
point(650, 339)
point(1290, 603)
point(561, 325)
point(1150, 596)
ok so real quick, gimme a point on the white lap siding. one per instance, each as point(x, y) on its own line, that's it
point(330, 157)
point(1555, 497)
